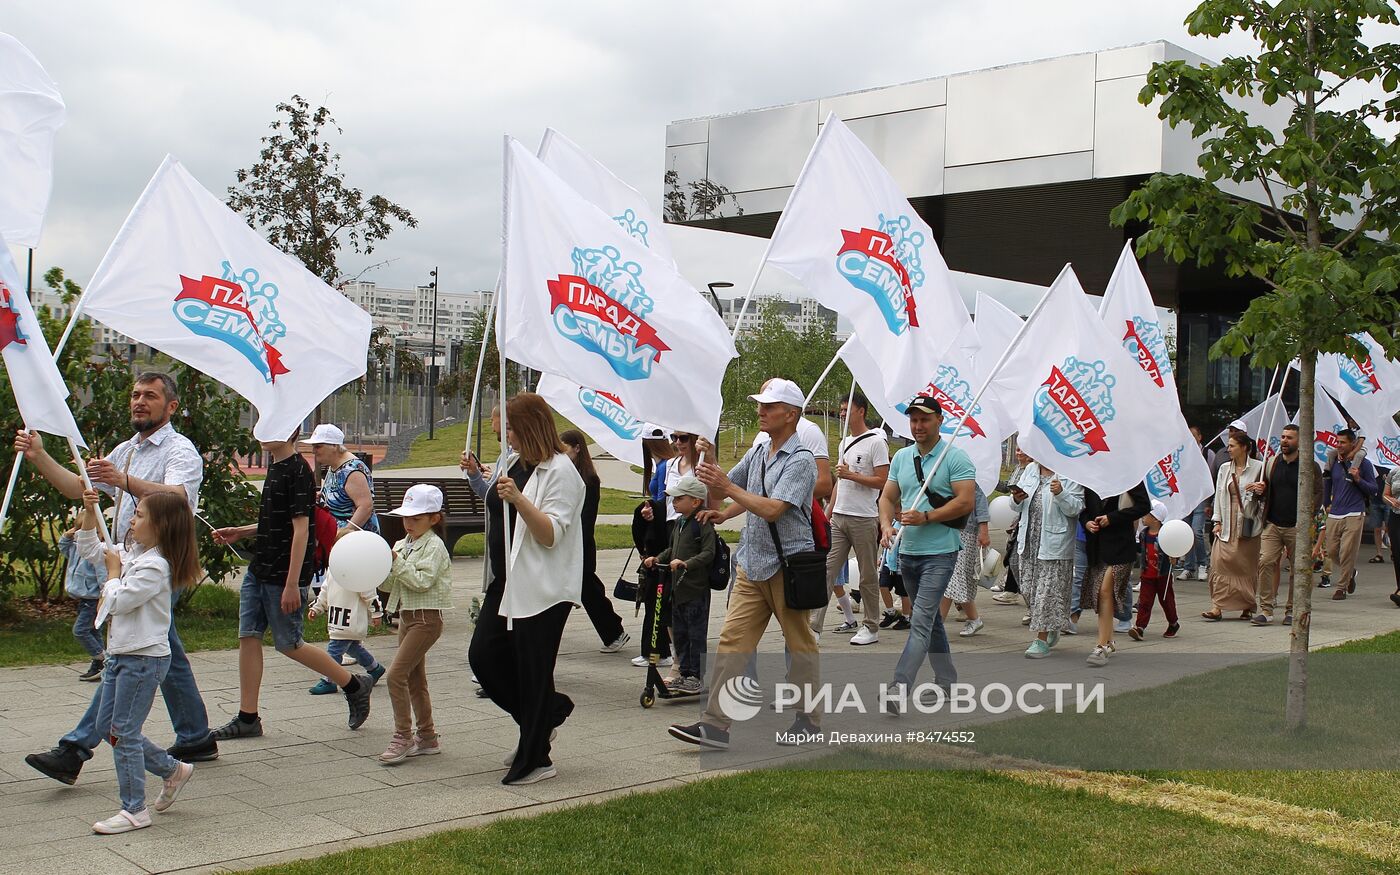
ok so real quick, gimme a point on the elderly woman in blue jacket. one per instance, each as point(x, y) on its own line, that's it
point(1044, 559)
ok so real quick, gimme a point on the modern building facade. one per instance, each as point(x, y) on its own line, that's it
point(408, 313)
point(1016, 170)
point(800, 316)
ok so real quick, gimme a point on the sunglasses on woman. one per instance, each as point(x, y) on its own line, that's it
point(682, 438)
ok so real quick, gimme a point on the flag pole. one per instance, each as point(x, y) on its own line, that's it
point(1273, 409)
point(480, 362)
point(501, 468)
point(986, 383)
point(87, 484)
point(822, 379)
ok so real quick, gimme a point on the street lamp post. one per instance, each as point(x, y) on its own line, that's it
point(432, 361)
point(714, 298)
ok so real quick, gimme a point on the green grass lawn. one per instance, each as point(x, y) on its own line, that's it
point(802, 821)
point(209, 622)
point(609, 537)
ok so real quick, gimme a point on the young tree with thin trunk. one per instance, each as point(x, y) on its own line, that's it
point(1319, 231)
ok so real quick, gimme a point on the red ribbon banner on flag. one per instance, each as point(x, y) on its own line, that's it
point(230, 296)
point(577, 294)
point(1073, 406)
point(1144, 356)
point(878, 245)
point(1164, 467)
point(955, 410)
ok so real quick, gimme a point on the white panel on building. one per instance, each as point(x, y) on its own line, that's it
point(763, 149)
point(910, 145)
point(881, 101)
point(1127, 135)
point(1128, 61)
point(1025, 111)
point(1013, 174)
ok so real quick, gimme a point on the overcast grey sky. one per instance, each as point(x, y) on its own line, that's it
point(424, 91)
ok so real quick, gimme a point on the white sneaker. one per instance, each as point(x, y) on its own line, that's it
point(1099, 656)
point(617, 645)
point(865, 636)
point(1122, 625)
point(972, 628)
point(641, 662)
point(347, 659)
point(1026, 620)
point(123, 821)
point(172, 786)
point(1202, 574)
point(996, 587)
point(1071, 627)
point(1007, 598)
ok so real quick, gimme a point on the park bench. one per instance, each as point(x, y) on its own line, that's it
point(463, 511)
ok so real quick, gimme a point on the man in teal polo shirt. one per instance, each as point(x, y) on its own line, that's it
point(928, 547)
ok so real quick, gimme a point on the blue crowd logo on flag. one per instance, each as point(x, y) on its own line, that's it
point(602, 307)
point(238, 309)
point(607, 409)
point(1146, 344)
point(1389, 448)
point(10, 329)
point(1162, 480)
point(636, 227)
point(884, 262)
point(1073, 404)
point(1268, 446)
point(953, 395)
point(1359, 373)
point(1326, 439)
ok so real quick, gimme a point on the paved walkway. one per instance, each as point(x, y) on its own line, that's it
point(310, 786)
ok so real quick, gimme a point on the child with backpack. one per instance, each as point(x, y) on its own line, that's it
point(348, 618)
point(691, 558)
point(1156, 577)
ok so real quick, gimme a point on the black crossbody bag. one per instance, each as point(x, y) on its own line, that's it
point(936, 501)
point(804, 573)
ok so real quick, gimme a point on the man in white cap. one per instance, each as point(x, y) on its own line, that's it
point(773, 483)
point(811, 436)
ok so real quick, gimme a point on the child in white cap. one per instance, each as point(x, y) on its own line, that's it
point(419, 588)
point(1156, 577)
point(690, 555)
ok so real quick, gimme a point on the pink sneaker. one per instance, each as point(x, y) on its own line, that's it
point(400, 748)
point(425, 747)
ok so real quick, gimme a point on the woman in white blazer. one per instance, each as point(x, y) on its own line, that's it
point(528, 598)
point(1234, 560)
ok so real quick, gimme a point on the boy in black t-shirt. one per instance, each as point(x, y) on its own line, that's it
point(276, 590)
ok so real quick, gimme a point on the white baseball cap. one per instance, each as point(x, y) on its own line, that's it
point(420, 498)
point(326, 433)
point(779, 391)
point(1159, 511)
point(1239, 425)
point(653, 432)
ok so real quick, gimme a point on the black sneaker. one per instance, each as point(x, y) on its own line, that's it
point(63, 763)
point(1325, 582)
point(901, 623)
point(1395, 597)
point(200, 752)
point(702, 734)
point(236, 728)
point(854, 594)
point(94, 670)
point(802, 731)
point(1351, 584)
point(889, 619)
point(358, 702)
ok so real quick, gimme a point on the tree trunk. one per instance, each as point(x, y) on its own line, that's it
point(1296, 707)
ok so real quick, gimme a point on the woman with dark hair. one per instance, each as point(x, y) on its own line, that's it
point(1234, 560)
point(1110, 542)
point(529, 596)
point(605, 620)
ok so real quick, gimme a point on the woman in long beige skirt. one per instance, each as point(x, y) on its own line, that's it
point(1234, 560)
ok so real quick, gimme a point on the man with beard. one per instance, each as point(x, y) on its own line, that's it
point(156, 459)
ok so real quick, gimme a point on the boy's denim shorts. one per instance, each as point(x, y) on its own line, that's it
point(260, 609)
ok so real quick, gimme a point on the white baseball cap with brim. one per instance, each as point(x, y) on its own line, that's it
point(1159, 511)
point(653, 432)
point(1238, 425)
point(688, 485)
point(326, 433)
point(781, 392)
point(419, 499)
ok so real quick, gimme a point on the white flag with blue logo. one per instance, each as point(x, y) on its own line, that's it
point(31, 112)
point(1383, 442)
point(601, 415)
point(596, 183)
point(1328, 422)
point(40, 392)
point(1083, 408)
point(1368, 386)
point(1128, 310)
point(1263, 424)
point(1180, 479)
point(854, 242)
point(187, 276)
point(583, 299)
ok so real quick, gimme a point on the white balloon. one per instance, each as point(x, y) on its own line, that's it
point(1176, 538)
point(360, 561)
point(1002, 513)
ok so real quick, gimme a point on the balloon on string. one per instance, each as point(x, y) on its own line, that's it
point(1176, 538)
point(1002, 512)
point(360, 561)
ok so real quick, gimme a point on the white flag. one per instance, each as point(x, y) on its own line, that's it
point(40, 392)
point(1181, 479)
point(1083, 407)
point(1128, 309)
point(1328, 421)
point(600, 415)
point(1368, 386)
point(1383, 442)
point(599, 185)
point(867, 375)
point(997, 326)
point(583, 299)
point(187, 276)
point(854, 242)
point(31, 112)
point(1263, 424)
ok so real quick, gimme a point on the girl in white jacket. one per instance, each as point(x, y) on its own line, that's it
point(137, 600)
